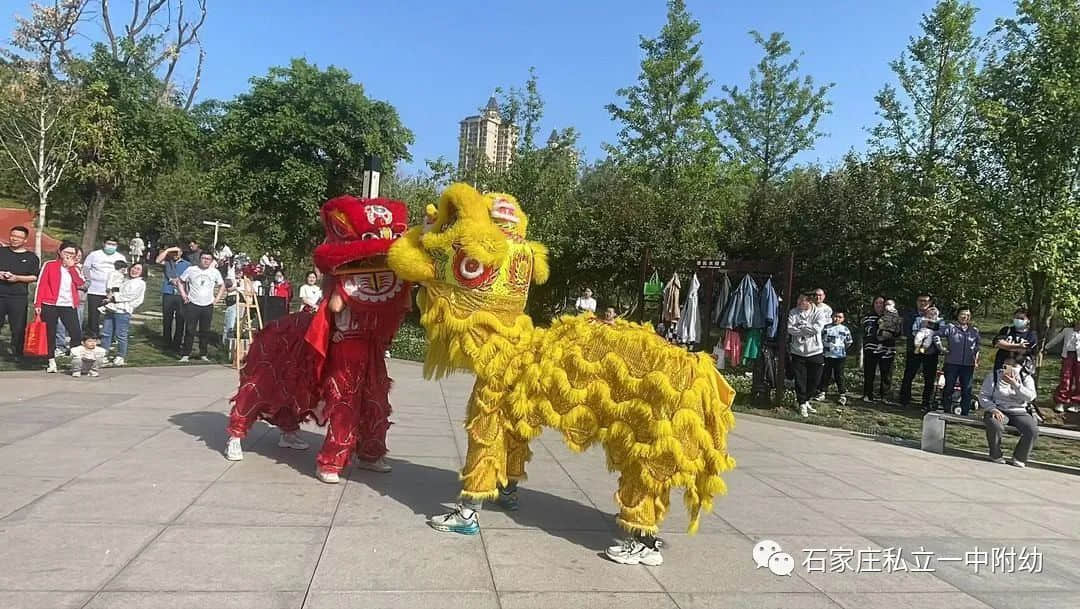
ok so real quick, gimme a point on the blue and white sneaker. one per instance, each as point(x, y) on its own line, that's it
point(455, 522)
point(508, 501)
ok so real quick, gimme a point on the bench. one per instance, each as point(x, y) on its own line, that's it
point(933, 430)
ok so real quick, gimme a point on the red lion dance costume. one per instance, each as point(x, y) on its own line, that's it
point(328, 365)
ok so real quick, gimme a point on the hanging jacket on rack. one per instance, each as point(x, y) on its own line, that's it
point(671, 311)
point(688, 330)
point(742, 307)
point(723, 293)
point(733, 346)
point(751, 346)
point(769, 309)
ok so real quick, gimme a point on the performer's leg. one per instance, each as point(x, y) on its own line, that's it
point(340, 439)
point(640, 514)
point(485, 462)
point(373, 421)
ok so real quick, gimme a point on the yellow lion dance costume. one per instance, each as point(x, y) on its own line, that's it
point(662, 414)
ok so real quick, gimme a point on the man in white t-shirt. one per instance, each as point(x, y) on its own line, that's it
point(586, 303)
point(96, 267)
point(201, 287)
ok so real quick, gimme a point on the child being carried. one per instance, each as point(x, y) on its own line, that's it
point(112, 286)
point(926, 336)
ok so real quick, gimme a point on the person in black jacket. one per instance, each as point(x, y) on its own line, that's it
point(879, 353)
point(927, 362)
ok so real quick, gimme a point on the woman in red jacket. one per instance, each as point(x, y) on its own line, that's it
point(57, 297)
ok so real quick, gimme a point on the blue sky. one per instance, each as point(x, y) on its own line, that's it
point(439, 60)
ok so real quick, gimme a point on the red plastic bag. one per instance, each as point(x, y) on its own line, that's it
point(37, 339)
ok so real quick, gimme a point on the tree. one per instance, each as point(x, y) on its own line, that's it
point(297, 138)
point(37, 133)
point(937, 76)
point(37, 136)
point(777, 116)
point(126, 136)
point(939, 220)
point(1029, 113)
point(664, 122)
point(159, 32)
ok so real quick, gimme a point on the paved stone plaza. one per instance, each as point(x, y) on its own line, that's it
point(114, 494)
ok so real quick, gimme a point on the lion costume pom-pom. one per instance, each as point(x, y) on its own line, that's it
point(661, 413)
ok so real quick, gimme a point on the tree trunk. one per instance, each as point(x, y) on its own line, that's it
point(43, 202)
point(1039, 311)
point(93, 219)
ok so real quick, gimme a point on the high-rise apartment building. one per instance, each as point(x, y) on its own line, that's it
point(486, 138)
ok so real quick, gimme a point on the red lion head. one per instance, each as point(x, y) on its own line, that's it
point(358, 233)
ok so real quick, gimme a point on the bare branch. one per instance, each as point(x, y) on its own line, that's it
point(151, 10)
point(198, 78)
point(109, 30)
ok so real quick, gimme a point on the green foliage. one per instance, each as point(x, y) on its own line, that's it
point(777, 116)
point(664, 122)
point(127, 136)
point(1029, 111)
point(296, 139)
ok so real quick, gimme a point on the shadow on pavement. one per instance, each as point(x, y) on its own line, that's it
point(425, 489)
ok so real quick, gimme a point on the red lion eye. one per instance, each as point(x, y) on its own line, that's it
point(470, 272)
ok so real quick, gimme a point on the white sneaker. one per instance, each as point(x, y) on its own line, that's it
point(867, 399)
point(75, 374)
point(810, 408)
point(456, 522)
point(118, 361)
point(292, 440)
point(820, 397)
point(233, 450)
point(378, 465)
point(804, 410)
point(999, 460)
point(633, 552)
point(1073, 409)
point(842, 400)
point(328, 477)
point(59, 352)
point(184, 359)
point(1016, 463)
point(203, 358)
point(95, 373)
point(52, 366)
point(1059, 408)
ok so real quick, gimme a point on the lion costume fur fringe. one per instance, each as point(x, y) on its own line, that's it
point(661, 413)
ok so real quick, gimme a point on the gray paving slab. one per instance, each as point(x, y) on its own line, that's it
point(755, 600)
point(196, 600)
point(112, 496)
point(357, 558)
point(592, 600)
point(405, 599)
point(225, 558)
point(25, 599)
point(113, 501)
point(61, 557)
point(17, 491)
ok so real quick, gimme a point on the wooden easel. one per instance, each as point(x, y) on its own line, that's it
point(246, 300)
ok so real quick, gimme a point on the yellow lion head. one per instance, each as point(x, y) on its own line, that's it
point(472, 250)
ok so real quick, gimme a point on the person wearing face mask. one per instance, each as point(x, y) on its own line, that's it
point(1017, 340)
point(97, 266)
point(1007, 394)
